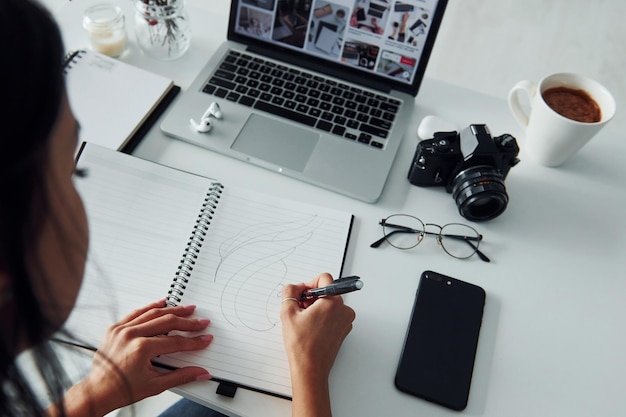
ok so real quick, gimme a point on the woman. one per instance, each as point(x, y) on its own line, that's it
point(43, 249)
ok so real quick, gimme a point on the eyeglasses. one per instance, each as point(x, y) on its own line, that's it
point(458, 240)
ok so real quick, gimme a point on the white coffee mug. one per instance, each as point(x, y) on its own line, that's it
point(551, 138)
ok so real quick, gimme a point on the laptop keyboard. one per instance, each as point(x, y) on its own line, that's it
point(347, 111)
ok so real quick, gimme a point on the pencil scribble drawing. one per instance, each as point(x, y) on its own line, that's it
point(254, 265)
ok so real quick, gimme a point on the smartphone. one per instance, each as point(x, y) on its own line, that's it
point(437, 360)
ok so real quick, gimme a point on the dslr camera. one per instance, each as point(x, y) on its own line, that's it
point(471, 165)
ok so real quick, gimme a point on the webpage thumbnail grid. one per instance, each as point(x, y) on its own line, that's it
point(385, 38)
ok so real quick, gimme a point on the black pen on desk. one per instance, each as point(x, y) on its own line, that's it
point(340, 286)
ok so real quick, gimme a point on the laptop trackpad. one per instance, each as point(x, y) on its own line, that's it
point(276, 142)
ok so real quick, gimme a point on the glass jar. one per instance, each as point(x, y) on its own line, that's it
point(106, 31)
point(162, 28)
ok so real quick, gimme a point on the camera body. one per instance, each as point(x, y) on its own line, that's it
point(471, 165)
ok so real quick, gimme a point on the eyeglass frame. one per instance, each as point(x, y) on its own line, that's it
point(468, 239)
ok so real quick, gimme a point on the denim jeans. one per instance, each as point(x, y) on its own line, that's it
point(188, 408)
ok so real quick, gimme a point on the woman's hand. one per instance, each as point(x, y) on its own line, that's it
point(313, 333)
point(122, 371)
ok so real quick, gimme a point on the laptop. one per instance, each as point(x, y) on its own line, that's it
point(321, 91)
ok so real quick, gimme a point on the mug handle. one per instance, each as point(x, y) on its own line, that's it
point(514, 103)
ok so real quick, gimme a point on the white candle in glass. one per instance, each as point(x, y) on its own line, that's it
point(105, 28)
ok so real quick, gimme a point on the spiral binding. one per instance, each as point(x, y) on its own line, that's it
point(191, 252)
point(71, 58)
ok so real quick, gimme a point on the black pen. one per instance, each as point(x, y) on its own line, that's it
point(338, 287)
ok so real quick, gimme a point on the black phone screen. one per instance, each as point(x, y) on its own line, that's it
point(440, 346)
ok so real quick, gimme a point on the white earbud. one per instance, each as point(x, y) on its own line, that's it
point(205, 121)
point(204, 126)
point(215, 111)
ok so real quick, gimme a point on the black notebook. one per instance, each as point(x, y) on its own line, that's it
point(157, 232)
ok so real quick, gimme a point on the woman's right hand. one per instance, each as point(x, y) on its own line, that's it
point(313, 333)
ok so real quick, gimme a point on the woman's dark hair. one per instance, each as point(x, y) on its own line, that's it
point(33, 90)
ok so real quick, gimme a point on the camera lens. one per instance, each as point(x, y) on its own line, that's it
point(479, 193)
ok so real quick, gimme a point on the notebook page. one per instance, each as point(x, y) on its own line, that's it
point(255, 245)
point(140, 217)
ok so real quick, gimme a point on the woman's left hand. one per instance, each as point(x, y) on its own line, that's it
point(122, 371)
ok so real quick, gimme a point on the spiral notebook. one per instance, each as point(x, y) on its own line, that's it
point(115, 102)
point(159, 232)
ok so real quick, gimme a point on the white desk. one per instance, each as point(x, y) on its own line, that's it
point(551, 342)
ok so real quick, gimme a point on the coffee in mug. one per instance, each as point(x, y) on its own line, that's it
point(573, 104)
point(566, 111)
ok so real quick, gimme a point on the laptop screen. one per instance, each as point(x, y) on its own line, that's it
point(385, 43)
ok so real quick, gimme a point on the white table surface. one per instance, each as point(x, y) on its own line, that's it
point(552, 341)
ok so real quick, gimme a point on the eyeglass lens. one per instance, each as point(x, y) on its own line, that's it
point(459, 240)
point(403, 231)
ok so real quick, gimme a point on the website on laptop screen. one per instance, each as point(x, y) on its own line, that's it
point(386, 38)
